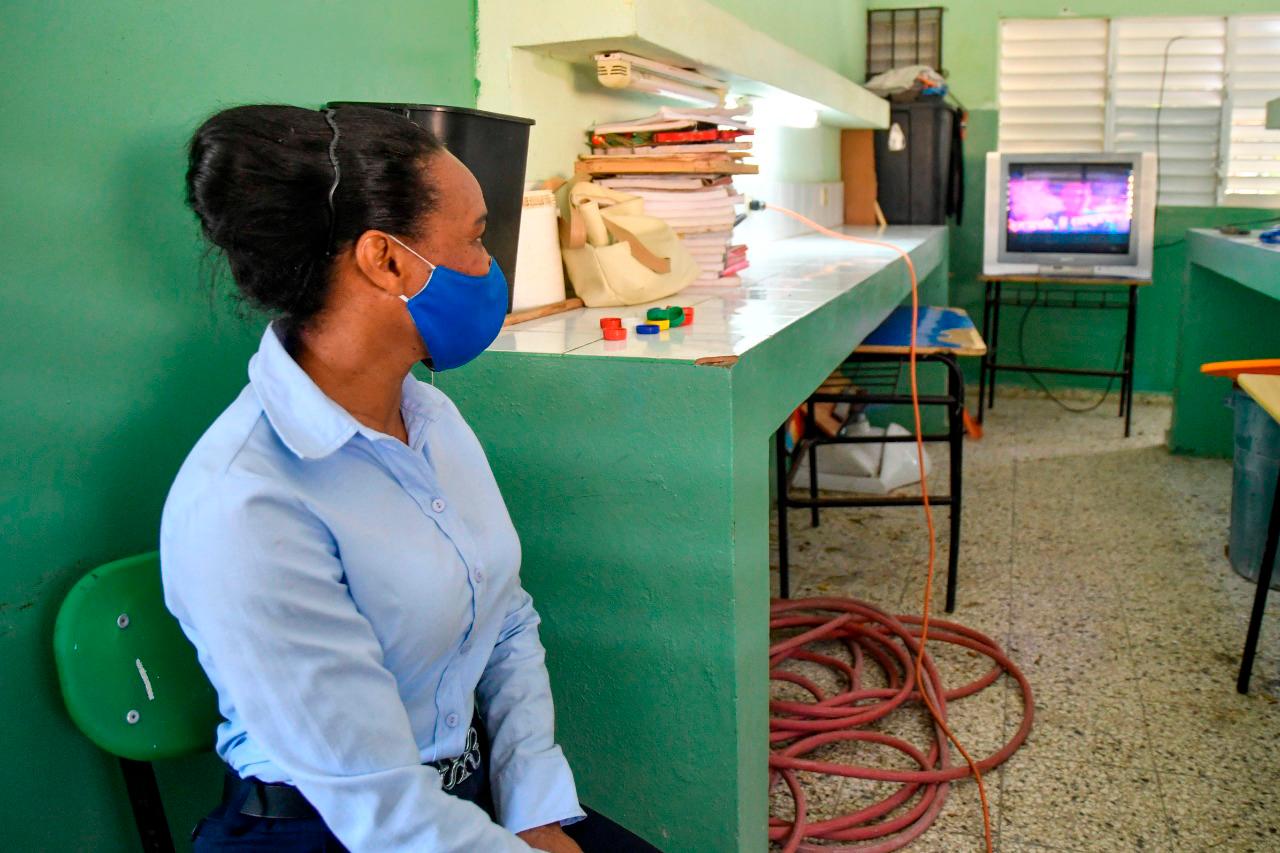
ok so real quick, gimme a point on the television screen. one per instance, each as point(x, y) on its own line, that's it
point(1077, 208)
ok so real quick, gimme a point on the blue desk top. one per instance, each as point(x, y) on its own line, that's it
point(938, 330)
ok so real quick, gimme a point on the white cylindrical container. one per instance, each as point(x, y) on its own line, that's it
point(539, 269)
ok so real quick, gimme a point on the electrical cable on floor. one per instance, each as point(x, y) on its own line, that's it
point(1022, 358)
point(867, 631)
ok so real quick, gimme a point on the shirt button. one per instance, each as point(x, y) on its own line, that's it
point(438, 505)
point(451, 721)
point(479, 576)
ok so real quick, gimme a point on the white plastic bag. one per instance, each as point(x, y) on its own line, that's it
point(871, 468)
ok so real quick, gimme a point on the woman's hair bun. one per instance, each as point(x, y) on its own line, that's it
point(258, 179)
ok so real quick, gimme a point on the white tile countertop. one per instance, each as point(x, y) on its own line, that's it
point(1249, 240)
point(787, 280)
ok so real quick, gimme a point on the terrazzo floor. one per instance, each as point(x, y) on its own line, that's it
point(1097, 562)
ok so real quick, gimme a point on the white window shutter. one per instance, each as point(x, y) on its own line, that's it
point(1251, 156)
point(1053, 84)
point(1189, 112)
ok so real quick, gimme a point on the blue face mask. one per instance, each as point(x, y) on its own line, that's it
point(457, 315)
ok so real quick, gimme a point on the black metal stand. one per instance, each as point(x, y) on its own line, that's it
point(993, 299)
point(148, 810)
point(953, 400)
point(1260, 595)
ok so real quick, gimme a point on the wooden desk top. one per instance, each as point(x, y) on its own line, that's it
point(1264, 389)
point(1049, 279)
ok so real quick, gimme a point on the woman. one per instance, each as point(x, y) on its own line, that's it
point(335, 545)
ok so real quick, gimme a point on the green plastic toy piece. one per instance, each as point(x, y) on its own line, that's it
point(673, 314)
point(129, 676)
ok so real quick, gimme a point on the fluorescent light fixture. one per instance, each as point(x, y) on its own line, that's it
point(625, 71)
point(785, 111)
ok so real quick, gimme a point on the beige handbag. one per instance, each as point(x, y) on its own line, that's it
point(615, 254)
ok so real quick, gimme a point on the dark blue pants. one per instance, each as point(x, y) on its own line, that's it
point(466, 777)
point(222, 832)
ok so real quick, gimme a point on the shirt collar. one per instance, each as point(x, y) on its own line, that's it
point(310, 423)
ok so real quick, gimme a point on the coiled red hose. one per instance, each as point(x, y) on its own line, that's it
point(797, 729)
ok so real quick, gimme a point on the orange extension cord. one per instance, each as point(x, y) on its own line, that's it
point(859, 622)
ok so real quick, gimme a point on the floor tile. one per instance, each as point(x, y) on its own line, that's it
point(1087, 728)
point(1207, 814)
point(1081, 806)
point(1227, 737)
point(1057, 666)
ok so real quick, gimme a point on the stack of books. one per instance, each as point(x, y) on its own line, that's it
point(682, 163)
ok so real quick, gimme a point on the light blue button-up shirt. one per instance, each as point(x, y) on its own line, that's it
point(350, 598)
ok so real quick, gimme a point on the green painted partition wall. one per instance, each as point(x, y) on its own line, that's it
point(115, 356)
point(1070, 338)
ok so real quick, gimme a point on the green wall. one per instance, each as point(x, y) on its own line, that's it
point(115, 355)
point(1071, 338)
point(831, 31)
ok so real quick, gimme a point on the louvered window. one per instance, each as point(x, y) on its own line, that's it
point(1191, 90)
point(897, 37)
point(1251, 171)
point(1053, 85)
point(1182, 99)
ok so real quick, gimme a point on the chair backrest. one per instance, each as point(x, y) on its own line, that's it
point(129, 676)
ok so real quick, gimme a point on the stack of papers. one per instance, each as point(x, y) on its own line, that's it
point(677, 118)
point(681, 162)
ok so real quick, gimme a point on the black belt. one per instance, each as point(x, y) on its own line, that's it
point(256, 798)
point(465, 777)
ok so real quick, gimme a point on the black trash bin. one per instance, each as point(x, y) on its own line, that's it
point(1256, 466)
point(914, 181)
point(495, 148)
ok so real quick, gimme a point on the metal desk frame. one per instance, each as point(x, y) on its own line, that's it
point(993, 299)
point(953, 400)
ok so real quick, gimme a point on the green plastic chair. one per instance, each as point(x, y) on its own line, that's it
point(131, 681)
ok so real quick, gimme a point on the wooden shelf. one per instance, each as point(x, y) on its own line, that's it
point(688, 33)
point(691, 164)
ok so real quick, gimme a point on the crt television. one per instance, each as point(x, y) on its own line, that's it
point(1070, 214)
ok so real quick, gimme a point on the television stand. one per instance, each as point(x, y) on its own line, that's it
point(1070, 292)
